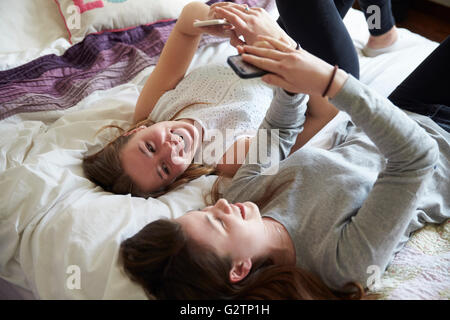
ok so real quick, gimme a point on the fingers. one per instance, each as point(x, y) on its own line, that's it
point(262, 63)
point(226, 4)
point(245, 9)
point(231, 17)
point(219, 4)
point(237, 13)
point(256, 10)
point(263, 44)
point(276, 43)
point(240, 12)
point(242, 7)
point(260, 44)
point(265, 52)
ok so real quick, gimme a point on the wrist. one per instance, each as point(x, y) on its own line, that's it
point(337, 83)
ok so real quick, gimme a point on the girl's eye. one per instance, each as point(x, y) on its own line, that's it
point(165, 169)
point(221, 222)
point(149, 147)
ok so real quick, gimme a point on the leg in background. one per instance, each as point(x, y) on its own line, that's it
point(425, 90)
point(318, 27)
point(383, 32)
point(343, 6)
point(386, 18)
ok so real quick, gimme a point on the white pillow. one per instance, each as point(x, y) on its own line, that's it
point(83, 17)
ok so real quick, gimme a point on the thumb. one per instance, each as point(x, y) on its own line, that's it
point(235, 41)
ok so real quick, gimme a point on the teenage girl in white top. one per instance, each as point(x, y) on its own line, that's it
point(151, 158)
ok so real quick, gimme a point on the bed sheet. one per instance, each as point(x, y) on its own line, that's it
point(57, 227)
point(44, 152)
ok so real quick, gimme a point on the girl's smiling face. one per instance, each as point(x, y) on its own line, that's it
point(156, 155)
point(232, 230)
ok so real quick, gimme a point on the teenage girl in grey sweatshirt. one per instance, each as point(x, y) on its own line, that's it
point(356, 204)
point(337, 213)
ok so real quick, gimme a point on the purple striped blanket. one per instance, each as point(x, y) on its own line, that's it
point(99, 62)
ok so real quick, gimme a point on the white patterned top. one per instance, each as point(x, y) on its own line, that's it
point(224, 105)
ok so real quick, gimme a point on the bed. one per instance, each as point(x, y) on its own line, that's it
point(59, 233)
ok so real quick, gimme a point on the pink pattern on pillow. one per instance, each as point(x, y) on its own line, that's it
point(88, 6)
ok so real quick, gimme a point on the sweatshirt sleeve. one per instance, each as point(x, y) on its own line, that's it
point(276, 135)
point(369, 238)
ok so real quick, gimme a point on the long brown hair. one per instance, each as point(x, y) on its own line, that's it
point(169, 265)
point(104, 167)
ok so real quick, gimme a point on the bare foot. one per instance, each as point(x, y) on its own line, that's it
point(383, 41)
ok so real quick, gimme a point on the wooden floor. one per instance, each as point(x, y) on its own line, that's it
point(427, 19)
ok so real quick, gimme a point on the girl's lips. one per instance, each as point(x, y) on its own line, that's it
point(242, 209)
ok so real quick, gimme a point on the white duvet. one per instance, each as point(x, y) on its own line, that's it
point(60, 234)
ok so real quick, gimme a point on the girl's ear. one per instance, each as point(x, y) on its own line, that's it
point(134, 131)
point(240, 270)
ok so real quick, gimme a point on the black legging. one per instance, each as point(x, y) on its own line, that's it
point(427, 89)
point(317, 25)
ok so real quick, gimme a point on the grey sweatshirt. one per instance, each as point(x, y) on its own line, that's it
point(356, 204)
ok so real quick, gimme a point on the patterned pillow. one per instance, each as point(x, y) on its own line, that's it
point(83, 17)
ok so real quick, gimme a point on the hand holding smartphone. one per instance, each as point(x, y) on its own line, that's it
point(244, 69)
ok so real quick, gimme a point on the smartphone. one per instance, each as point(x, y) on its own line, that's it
point(244, 69)
point(214, 22)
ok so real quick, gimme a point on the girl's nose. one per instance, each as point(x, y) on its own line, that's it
point(166, 151)
point(223, 205)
